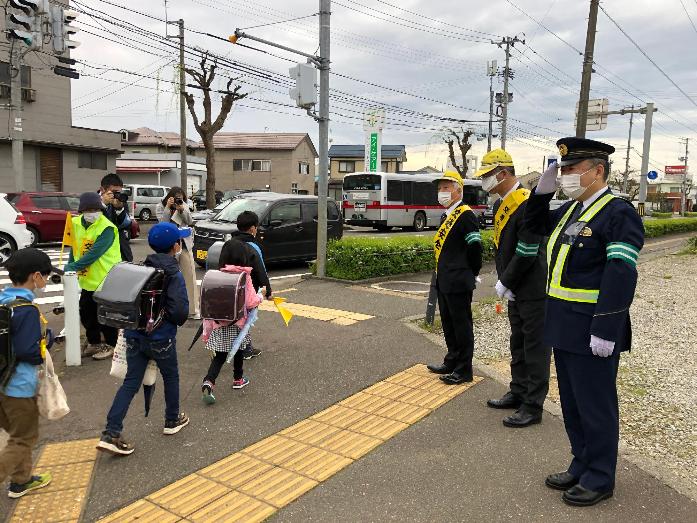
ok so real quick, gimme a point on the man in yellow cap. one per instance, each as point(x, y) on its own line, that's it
point(522, 270)
point(458, 249)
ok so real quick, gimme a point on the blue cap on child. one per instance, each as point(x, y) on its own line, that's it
point(164, 235)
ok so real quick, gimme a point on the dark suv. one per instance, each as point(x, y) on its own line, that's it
point(287, 226)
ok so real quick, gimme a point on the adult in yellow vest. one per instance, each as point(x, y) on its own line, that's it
point(458, 249)
point(593, 247)
point(522, 272)
point(95, 250)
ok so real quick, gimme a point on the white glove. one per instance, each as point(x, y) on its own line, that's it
point(548, 181)
point(601, 347)
point(509, 295)
point(477, 280)
point(500, 289)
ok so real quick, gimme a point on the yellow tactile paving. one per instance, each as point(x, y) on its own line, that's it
point(188, 495)
point(232, 508)
point(71, 464)
point(253, 483)
point(337, 316)
point(141, 512)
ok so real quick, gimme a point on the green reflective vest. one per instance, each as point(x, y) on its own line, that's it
point(83, 240)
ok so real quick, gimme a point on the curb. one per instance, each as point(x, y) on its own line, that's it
point(650, 466)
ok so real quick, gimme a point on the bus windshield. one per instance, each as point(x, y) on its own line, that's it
point(363, 182)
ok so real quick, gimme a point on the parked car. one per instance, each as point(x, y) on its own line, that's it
point(287, 226)
point(143, 199)
point(207, 214)
point(13, 229)
point(45, 213)
point(199, 199)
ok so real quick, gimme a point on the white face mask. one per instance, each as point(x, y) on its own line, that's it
point(91, 217)
point(571, 184)
point(490, 183)
point(40, 290)
point(444, 198)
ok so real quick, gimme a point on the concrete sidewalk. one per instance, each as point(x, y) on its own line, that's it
point(457, 463)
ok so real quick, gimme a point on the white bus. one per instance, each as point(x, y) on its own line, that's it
point(386, 200)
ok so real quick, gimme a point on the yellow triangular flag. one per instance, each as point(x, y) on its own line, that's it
point(285, 313)
point(67, 237)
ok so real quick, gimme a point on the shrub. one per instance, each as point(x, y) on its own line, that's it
point(662, 215)
point(655, 228)
point(354, 258)
point(691, 214)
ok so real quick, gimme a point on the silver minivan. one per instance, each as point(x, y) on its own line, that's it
point(143, 199)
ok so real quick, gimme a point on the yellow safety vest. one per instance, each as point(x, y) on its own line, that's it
point(554, 287)
point(84, 238)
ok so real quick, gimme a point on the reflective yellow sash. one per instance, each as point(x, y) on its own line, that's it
point(444, 230)
point(506, 209)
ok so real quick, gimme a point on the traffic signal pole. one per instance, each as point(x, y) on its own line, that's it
point(16, 116)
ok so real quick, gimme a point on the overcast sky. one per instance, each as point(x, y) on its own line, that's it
point(432, 57)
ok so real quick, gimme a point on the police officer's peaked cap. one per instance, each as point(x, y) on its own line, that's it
point(574, 150)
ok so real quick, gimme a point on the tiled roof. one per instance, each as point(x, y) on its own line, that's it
point(259, 140)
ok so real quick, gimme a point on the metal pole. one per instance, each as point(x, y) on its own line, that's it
point(183, 181)
point(506, 73)
point(629, 147)
point(683, 198)
point(645, 155)
point(582, 117)
point(491, 111)
point(323, 181)
point(16, 116)
point(71, 302)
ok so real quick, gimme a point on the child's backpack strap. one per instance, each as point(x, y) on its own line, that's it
point(258, 249)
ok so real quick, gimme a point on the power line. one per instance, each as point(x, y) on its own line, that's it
point(688, 14)
point(545, 28)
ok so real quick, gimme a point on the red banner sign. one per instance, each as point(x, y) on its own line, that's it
point(675, 169)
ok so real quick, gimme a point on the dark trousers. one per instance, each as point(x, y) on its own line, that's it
point(530, 358)
point(217, 363)
point(19, 417)
point(139, 352)
point(456, 318)
point(588, 394)
point(93, 329)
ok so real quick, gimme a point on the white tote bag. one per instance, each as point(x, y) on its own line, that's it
point(51, 400)
point(119, 364)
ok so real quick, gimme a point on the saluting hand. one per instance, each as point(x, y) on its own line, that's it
point(548, 181)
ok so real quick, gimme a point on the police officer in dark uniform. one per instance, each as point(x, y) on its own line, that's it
point(458, 250)
point(593, 247)
point(522, 273)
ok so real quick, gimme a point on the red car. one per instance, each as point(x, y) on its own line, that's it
point(45, 212)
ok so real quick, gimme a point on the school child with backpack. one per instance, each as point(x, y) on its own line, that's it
point(24, 340)
point(159, 344)
point(236, 257)
point(247, 226)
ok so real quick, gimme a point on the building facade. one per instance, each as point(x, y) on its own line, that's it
point(346, 159)
point(161, 169)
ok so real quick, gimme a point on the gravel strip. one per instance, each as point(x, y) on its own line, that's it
point(657, 381)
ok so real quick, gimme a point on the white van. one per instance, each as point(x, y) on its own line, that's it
point(143, 199)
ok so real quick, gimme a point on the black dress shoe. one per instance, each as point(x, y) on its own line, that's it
point(455, 378)
point(439, 369)
point(508, 401)
point(561, 481)
point(520, 419)
point(579, 496)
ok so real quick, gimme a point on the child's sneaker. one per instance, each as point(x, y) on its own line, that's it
point(240, 383)
point(174, 426)
point(106, 352)
point(91, 349)
point(207, 390)
point(250, 353)
point(115, 445)
point(17, 490)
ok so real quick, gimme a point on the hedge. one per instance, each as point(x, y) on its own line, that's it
point(661, 215)
point(354, 258)
point(691, 214)
point(655, 228)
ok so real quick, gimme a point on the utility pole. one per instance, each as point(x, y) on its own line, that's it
point(16, 115)
point(629, 147)
point(587, 71)
point(643, 183)
point(323, 180)
point(183, 174)
point(683, 197)
point(492, 69)
point(508, 42)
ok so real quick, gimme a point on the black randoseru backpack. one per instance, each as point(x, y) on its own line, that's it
point(131, 297)
point(8, 361)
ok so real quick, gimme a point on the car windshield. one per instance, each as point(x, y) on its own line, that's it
point(235, 207)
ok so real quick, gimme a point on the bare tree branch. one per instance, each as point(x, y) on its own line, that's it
point(450, 137)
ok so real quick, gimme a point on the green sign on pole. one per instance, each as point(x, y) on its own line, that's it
point(373, 152)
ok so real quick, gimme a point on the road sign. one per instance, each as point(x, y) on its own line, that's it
point(373, 119)
point(597, 119)
point(652, 175)
point(373, 122)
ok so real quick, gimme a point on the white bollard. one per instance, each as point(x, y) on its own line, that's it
point(71, 302)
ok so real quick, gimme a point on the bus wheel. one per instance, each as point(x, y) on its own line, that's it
point(419, 221)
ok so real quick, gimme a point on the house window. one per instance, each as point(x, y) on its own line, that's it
point(385, 166)
point(261, 165)
point(293, 188)
point(347, 166)
point(251, 165)
point(91, 160)
point(303, 168)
